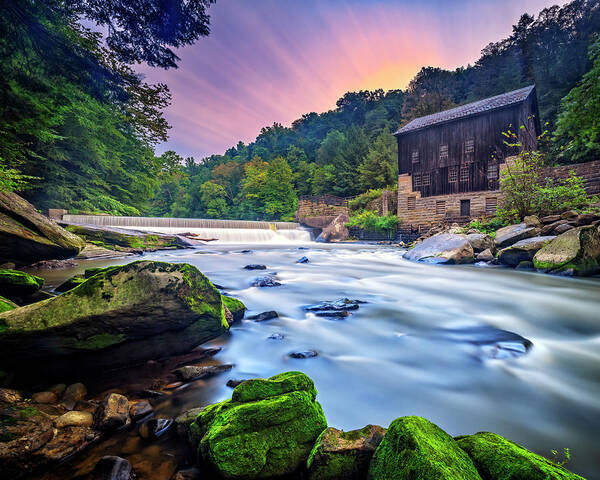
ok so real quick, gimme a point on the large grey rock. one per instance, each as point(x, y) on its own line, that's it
point(576, 251)
point(445, 248)
point(506, 236)
point(336, 231)
point(481, 242)
point(522, 251)
point(120, 316)
point(28, 236)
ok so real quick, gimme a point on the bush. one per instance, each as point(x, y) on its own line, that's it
point(370, 221)
point(487, 225)
point(360, 202)
point(526, 193)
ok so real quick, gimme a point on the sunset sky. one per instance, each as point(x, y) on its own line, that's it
point(273, 60)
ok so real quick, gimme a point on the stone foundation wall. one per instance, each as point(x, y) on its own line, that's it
point(589, 172)
point(324, 206)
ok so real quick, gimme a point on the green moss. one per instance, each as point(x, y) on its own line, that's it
point(235, 306)
point(498, 458)
point(5, 306)
point(17, 283)
point(97, 342)
point(262, 388)
point(414, 448)
point(70, 284)
point(260, 438)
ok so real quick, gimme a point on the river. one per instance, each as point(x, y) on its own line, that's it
point(447, 343)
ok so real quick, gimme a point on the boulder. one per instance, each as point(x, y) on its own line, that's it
point(123, 239)
point(261, 317)
point(415, 448)
point(506, 236)
point(44, 397)
point(522, 251)
point(338, 454)
point(28, 236)
point(112, 468)
point(267, 429)
point(485, 256)
point(550, 219)
point(70, 284)
point(444, 248)
point(481, 242)
point(550, 227)
point(235, 306)
point(195, 372)
point(576, 251)
point(562, 228)
point(6, 304)
point(17, 285)
point(586, 219)
point(532, 221)
point(569, 214)
point(336, 231)
point(73, 394)
point(74, 419)
point(498, 458)
point(119, 317)
point(115, 412)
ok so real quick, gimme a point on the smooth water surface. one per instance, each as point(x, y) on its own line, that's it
point(448, 343)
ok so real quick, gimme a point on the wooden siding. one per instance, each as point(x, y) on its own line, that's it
point(483, 130)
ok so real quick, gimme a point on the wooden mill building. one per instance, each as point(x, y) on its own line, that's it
point(449, 163)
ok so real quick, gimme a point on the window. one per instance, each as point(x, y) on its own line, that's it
point(465, 208)
point(426, 179)
point(417, 180)
point(470, 146)
point(440, 207)
point(443, 152)
point(492, 171)
point(453, 174)
point(415, 156)
point(464, 173)
point(412, 202)
point(490, 205)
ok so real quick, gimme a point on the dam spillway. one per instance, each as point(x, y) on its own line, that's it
point(222, 231)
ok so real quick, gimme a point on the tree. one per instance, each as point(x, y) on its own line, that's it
point(380, 167)
point(331, 146)
point(214, 200)
point(229, 175)
point(280, 199)
point(577, 136)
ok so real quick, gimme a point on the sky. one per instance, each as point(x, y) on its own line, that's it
point(269, 61)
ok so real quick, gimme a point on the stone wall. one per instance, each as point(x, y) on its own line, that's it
point(418, 214)
point(323, 206)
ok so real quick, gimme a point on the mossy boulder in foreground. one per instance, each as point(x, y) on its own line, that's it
point(414, 448)
point(235, 306)
point(575, 252)
point(15, 284)
point(500, 459)
point(338, 454)
point(5, 306)
point(266, 430)
point(120, 316)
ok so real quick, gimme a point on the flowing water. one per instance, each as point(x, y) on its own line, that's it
point(469, 348)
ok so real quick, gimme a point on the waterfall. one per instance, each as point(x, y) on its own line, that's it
point(224, 231)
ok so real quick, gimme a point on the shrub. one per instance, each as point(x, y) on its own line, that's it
point(368, 220)
point(486, 225)
point(360, 202)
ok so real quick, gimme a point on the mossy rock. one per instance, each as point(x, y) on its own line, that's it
point(121, 316)
point(414, 448)
point(70, 284)
point(576, 251)
point(500, 459)
point(266, 430)
point(17, 284)
point(6, 305)
point(338, 454)
point(235, 306)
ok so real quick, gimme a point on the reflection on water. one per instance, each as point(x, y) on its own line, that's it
point(470, 349)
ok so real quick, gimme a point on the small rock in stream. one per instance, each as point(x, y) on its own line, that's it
point(44, 397)
point(154, 428)
point(336, 314)
point(195, 372)
point(188, 474)
point(73, 394)
point(261, 317)
point(265, 282)
point(246, 251)
point(255, 266)
point(74, 419)
point(112, 468)
point(115, 413)
point(303, 260)
point(304, 354)
point(343, 304)
point(140, 409)
point(276, 336)
point(234, 383)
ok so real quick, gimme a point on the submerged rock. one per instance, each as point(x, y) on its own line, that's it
point(266, 430)
point(112, 468)
point(154, 428)
point(28, 236)
point(255, 267)
point(118, 317)
point(267, 281)
point(338, 454)
point(445, 248)
point(522, 251)
point(576, 251)
point(500, 459)
point(261, 317)
point(414, 448)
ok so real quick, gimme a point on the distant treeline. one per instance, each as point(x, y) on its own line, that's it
point(86, 126)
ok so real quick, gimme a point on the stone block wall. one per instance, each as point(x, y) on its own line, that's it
point(324, 206)
point(589, 172)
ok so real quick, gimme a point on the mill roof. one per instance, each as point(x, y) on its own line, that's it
point(475, 108)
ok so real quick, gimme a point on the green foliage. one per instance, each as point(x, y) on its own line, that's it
point(577, 135)
point(486, 225)
point(361, 202)
point(370, 221)
point(11, 179)
point(526, 193)
point(380, 167)
point(213, 197)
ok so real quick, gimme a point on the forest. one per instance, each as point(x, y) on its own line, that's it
point(79, 127)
